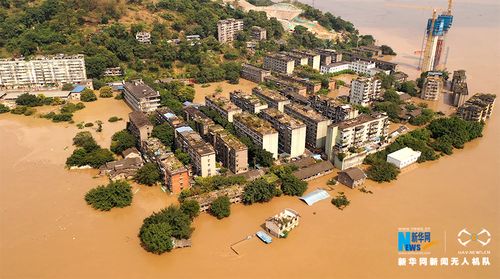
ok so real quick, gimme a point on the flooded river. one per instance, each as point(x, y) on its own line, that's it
point(47, 230)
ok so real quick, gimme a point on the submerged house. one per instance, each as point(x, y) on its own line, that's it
point(352, 177)
point(282, 223)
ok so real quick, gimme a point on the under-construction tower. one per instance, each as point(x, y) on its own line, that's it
point(435, 35)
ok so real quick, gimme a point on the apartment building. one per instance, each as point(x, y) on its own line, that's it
point(365, 90)
point(311, 86)
point(287, 86)
point(478, 108)
point(202, 123)
point(139, 126)
point(433, 86)
point(247, 101)
point(42, 71)
point(272, 98)
point(228, 29)
point(222, 106)
point(329, 56)
point(258, 130)
point(253, 73)
point(333, 109)
point(164, 114)
point(279, 63)
point(202, 154)
point(336, 67)
point(357, 133)
point(113, 72)
point(229, 150)
point(459, 88)
point(140, 97)
point(316, 124)
point(258, 33)
point(291, 132)
point(313, 58)
point(175, 174)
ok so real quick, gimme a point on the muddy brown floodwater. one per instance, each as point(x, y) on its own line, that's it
point(47, 230)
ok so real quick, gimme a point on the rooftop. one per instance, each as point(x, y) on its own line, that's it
point(271, 94)
point(336, 64)
point(283, 118)
point(280, 56)
point(140, 90)
point(361, 119)
point(195, 141)
point(355, 173)
point(172, 164)
point(253, 67)
point(255, 123)
point(139, 119)
point(230, 140)
point(315, 196)
point(313, 170)
point(307, 112)
point(403, 153)
point(223, 103)
point(248, 97)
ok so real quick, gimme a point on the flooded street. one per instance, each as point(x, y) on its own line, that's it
point(48, 231)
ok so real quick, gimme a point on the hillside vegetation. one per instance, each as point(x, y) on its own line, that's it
point(104, 31)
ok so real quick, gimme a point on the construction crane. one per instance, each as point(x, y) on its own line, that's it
point(426, 59)
point(450, 4)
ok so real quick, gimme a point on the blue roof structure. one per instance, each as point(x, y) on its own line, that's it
point(315, 196)
point(187, 104)
point(78, 89)
point(184, 129)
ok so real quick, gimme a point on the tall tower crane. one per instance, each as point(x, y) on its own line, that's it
point(428, 53)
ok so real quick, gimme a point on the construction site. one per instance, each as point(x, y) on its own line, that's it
point(433, 45)
point(289, 16)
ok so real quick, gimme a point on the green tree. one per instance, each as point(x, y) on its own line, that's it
point(157, 242)
point(122, 140)
point(88, 95)
point(115, 194)
point(221, 207)
point(4, 108)
point(340, 201)
point(148, 174)
point(183, 157)
point(106, 92)
point(191, 208)
point(157, 238)
point(382, 171)
point(28, 100)
point(165, 133)
point(292, 186)
point(258, 191)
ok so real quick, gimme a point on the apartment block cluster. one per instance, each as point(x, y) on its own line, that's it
point(42, 71)
point(478, 108)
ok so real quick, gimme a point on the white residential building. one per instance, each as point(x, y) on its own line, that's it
point(140, 97)
point(42, 71)
point(258, 130)
point(292, 132)
point(363, 67)
point(357, 133)
point(272, 98)
point(403, 157)
point(228, 28)
point(247, 101)
point(202, 154)
point(336, 67)
point(364, 91)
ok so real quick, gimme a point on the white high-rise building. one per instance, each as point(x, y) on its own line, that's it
point(364, 91)
point(228, 28)
point(42, 71)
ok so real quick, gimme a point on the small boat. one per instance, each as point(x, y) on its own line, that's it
point(264, 237)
